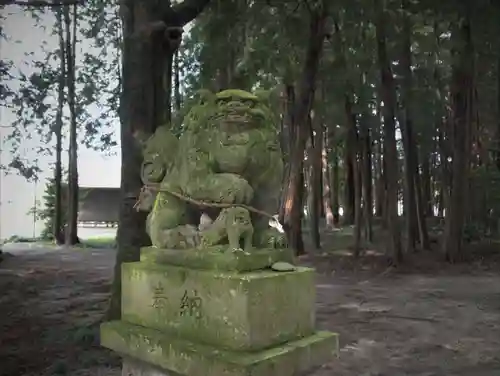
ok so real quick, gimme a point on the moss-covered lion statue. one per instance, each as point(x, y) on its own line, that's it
point(228, 153)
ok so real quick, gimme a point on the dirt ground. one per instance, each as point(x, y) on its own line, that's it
point(440, 321)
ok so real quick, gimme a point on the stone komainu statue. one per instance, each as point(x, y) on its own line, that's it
point(228, 154)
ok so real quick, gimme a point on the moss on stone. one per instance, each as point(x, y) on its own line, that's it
point(250, 310)
point(217, 159)
point(193, 359)
point(218, 258)
point(237, 93)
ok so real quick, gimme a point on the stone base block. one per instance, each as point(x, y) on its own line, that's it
point(238, 311)
point(133, 367)
point(177, 356)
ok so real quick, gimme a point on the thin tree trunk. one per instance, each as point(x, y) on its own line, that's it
point(349, 188)
point(366, 176)
point(365, 152)
point(315, 181)
point(327, 191)
point(335, 187)
point(350, 161)
point(462, 95)
point(72, 228)
point(443, 130)
point(379, 172)
point(426, 186)
point(287, 139)
point(406, 125)
point(349, 202)
point(58, 230)
point(358, 217)
point(390, 150)
point(177, 82)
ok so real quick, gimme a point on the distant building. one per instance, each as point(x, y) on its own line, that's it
point(99, 207)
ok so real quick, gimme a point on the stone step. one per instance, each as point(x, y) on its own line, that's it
point(157, 351)
point(239, 311)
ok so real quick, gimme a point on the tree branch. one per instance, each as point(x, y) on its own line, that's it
point(188, 10)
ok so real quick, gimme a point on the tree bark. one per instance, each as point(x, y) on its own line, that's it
point(366, 176)
point(415, 220)
point(358, 217)
point(177, 82)
point(58, 230)
point(350, 160)
point(390, 150)
point(72, 221)
point(315, 181)
point(461, 96)
point(443, 132)
point(379, 171)
point(327, 190)
point(335, 187)
point(427, 187)
point(150, 38)
point(350, 150)
point(306, 87)
point(497, 157)
point(287, 138)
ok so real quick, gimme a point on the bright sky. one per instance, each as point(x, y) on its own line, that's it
point(16, 195)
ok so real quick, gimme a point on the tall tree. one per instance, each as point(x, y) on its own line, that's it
point(57, 231)
point(416, 227)
point(390, 151)
point(306, 87)
point(462, 89)
point(70, 49)
point(152, 33)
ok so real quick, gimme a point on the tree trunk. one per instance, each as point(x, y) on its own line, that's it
point(366, 176)
point(461, 96)
point(379, 172)
point(390, 150)
point(442, 127)
point(288, 120)
point(415, 220)
point(315, 180)
point(350, 161)
point(72, 221)
point(148, 48)
point(349, 188)
point(58, 230)
point(177, 82)
point(426, 186)
point(335, 187)
point(497, 157)
point(327, 191)
point(287, 139)
point(357, 202)
point(307, 83)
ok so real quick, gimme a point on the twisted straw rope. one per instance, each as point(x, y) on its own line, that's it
point(158, 188)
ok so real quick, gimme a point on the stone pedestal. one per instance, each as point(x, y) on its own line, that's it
point(213, 313)
point(134, 367)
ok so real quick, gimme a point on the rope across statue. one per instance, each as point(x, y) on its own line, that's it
point(227, 165)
